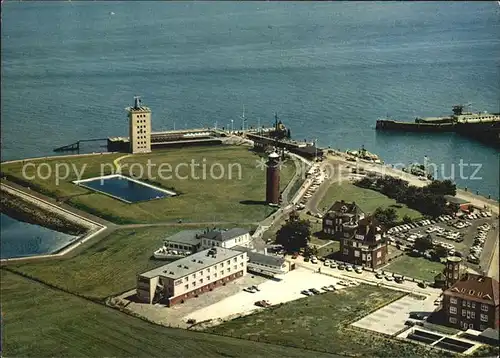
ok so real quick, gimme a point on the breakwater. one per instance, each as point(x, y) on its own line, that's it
point(486, 132)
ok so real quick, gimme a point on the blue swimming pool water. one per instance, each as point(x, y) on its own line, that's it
point(125, 189)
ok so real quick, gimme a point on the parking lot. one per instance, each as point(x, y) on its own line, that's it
point(232, 300)
point(391, 318)
point(461, 237)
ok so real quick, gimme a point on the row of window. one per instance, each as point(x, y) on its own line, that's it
point(179, 246)
point(193, 284)
point(469, 314)
point(465, 303)
point(141, 116)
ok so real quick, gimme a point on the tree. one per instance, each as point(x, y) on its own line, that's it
point(407, 219)
point(294, 235)
point(440, 251)
point(386, 217)
point(438, 187)
point(423, 244)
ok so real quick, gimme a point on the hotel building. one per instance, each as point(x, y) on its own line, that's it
point(472, 302)
point(191, 276)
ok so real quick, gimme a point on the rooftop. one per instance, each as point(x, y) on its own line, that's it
point(224, 235)
point(192, 263)
point(187, 237)
point(345, 207)
point(260, 258)
point(476, 288)
point(455, 200)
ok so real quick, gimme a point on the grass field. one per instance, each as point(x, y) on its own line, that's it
point(108, 267)
point(41, 322)
point(323, 322)
point(368, 200)
point(237, 196)
point(416, 267)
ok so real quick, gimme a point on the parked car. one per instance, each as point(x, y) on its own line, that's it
point(307, 293)
point(348, 268)
point(379, 275)
point(399, 279)
point(263, 303)
point(358, 270)
point(389, 278)
point(315, 291)
point(255, 288)
point(333, 265)
point(341, 267)
point(249, 289)
point(422, 285)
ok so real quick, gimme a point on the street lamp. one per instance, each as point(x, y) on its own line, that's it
point(232, 125)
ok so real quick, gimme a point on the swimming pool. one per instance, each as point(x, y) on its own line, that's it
point(125, 189)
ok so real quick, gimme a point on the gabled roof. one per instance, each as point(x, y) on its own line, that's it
point(345, 207)
point(187, 237)
point(224, 235)
point(476, 288)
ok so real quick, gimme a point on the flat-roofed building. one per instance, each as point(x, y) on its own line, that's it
point(265, 264)
point(187, 241)
point(472, 303)
point(191, 276)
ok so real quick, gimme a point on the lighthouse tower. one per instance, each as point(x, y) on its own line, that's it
point(273, 179)
point(139, 118)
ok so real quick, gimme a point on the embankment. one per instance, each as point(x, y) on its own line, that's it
point(23, 210)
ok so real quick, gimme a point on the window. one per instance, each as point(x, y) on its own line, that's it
point(484, 317)
point(453, 310)
point(229, 269)
point(379, 254)
point(464, 303)
point(463, 313)
point(235, 267)
point(222, 272)
point(241, 264)
point(201, 272)
point(468, 303)
point(208, 278)
point(194, 276)
point(186, 287)
point(453, 300)
point(222, 264)
point(234, 260)
point(473, 314)
point(215, 274)
point(356, 253)
point(201, 280)
point(186, 279)
point(453, 320)
point(229, 262)
point(473, 304)
point(346, 252)
point(484, 308)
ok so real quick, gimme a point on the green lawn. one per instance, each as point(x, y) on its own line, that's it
point(108, 267)
point(368, 200)
point(41, 322)
point(238, 196)
point(416, 267)
point(323, 322)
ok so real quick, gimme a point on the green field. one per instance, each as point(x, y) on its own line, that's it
point(238, 196)
point(368, 200)
point(416, 267)
point(41, 322)
point(323, 322)
point(108, 267)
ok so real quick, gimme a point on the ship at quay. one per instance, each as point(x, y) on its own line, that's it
point(481, 126)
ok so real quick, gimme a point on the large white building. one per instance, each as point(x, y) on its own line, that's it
point(225, 238)
point(191, 276)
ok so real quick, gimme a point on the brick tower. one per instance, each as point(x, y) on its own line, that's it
point(452, 270)
point(273, 179)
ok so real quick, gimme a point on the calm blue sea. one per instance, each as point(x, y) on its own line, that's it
point(329, 69)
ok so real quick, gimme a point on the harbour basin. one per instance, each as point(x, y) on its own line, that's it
point(125, 189)
point(21, 239)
